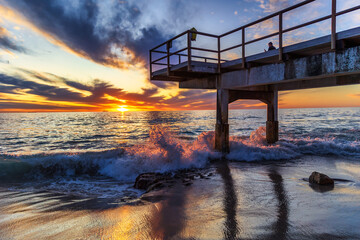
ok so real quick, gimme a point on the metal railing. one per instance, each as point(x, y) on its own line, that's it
point(178, 53)
point(243, 28)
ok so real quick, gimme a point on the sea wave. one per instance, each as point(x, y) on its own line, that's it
point(164, 152)
point(255, 148)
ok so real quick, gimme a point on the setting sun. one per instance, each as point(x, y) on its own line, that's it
point(122, 109)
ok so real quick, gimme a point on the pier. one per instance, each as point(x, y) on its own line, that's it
point(331, 60)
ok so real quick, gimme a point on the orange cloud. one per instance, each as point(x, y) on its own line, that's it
point(355, 95)
point(126, 59)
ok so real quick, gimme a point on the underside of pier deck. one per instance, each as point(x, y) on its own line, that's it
point(332, 60)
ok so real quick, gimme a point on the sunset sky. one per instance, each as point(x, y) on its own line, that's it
point(92, 55)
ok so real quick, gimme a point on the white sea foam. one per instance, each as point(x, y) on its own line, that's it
point(164, 152)
point(255, 148)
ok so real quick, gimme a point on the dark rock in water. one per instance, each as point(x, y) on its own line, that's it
point(321, 188)
point(155, 181)
point(187, 184)
point(155, 186)
point(145, 180)
point(320, 178)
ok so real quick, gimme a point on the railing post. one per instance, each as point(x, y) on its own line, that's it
point(189, 51)
point(281, 36)
point(333, 25)
point(168, 57)
point(243, 47)
point(219, 56)
point(179, 58)
point(150, 63)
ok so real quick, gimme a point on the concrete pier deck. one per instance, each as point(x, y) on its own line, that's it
point(331, 60)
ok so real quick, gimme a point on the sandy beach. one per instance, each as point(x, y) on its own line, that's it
point(239, 200)
point(179, 120)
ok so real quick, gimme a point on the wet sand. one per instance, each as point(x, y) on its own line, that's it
point(267, 200)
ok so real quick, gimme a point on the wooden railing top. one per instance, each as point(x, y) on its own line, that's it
point(268, 17)
point(218, 51)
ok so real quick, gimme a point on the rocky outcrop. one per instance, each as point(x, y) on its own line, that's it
point(320, 179)
point(154, 181)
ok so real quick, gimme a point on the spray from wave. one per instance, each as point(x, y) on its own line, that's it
point(164, 152)
point(255, 148)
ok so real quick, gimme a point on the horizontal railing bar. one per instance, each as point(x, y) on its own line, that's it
point(184, 55)
point(295, 6)
point(267, 17)
point(176, 53)
point(262, 38)
point(158, 51)
point(205, 34)
point(214, 59)
point(163, 64)
point(204, 49)
point(171, 39)
point(252, 41)
point(183, 33)
point(192, 56)
point(160, 59)
point(348, 10)
point(209, 58)
point(307, 23)
point(230, 48)
point(160, 45)
point(294, 28)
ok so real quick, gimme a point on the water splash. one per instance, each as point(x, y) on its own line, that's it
point(255, 148)
point(164, 152)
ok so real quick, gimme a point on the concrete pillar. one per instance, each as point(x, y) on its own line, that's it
point(272, 124)
point(222, 125)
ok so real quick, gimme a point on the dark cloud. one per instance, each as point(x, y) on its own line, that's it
point(99, 30)
point(41, 107)
point(48, 86)
point(50, 92)
point(163, 84)
point(7, 43)
point(57, 90)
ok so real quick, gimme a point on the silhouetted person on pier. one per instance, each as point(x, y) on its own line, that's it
point(271, 47)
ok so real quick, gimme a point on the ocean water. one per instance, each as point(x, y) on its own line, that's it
point(100, 154)
point(71, 175)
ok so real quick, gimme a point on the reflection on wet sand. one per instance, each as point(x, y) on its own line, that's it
point(321, 188)
point(231, 229)
point(208, 209)
point(281, 226)
point(26, 215)
point(167, 218)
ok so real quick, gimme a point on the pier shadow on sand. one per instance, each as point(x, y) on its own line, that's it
point(280, 228)
point(230, 201)
point(168, 217)
point(232, 230)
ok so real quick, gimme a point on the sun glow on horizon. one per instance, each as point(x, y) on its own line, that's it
point(122, 109)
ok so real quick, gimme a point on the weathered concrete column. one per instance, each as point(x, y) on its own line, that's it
point(222, 126)
point(272, 124)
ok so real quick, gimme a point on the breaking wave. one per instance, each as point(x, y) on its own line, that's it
point(255, 148)
point(164, 152)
